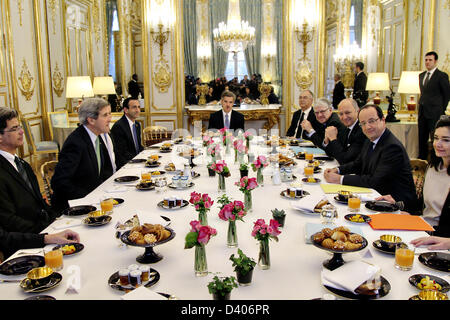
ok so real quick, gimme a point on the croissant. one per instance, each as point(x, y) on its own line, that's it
point(352, 246)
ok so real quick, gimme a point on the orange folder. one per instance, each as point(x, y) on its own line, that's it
point(389, 221)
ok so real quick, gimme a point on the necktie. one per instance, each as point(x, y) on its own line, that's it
point(371, 149)
point(299, 126)
point(427, 78)
point(347, 136)
point(98, 153)
point(227, 121)
point(135, 133)
point(23, 172)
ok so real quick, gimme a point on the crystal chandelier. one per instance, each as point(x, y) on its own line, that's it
point(235, 35)
point(345, 58)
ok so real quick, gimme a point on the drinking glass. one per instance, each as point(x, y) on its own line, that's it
point(328, 214)
point(146, 175)
point(107, 204)
point(354, 203)
point(404, 256)
point(308, 171)
point(308, 156)
point(54, 258)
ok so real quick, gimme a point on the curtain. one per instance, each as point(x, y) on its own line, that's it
point(111, 6)
point(251, 11)
point(278, 8)
point(218, 13)
point(190, 37)
point(358, 20)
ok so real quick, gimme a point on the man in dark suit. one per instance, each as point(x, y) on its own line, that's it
point(23, 212)
point(133, 87)
point(323, 110)
point(87, 157)
point(126, 133)
point(345, 147)
point(305, 100)
point(227, 118)
point(338, 91)
point(382, 164)
point(359, 86)
point(434, 97)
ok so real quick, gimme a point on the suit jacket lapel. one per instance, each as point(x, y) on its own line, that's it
point(126, 127)
point(90, 148)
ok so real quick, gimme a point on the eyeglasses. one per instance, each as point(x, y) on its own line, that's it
point(370, 121)
point(304, 98)
point(13, 129)
point(321, 112)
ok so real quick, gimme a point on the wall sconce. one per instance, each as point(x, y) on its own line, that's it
point(204, 54)
point(409, 83)
point(269, 53)
point(79, 87)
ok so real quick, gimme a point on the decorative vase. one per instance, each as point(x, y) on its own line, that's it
point(240, 158)
point(227, 148)
point(244, 173)
point(260, 177)
point(222, 187)
point(232, 241)
point(247, 143)
point(203, 217)
point(264, 254)
point(221, 296)
point(248, 201)
point(200, 264)
point(244, 279)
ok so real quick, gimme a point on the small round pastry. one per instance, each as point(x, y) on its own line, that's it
point(134, 235)
point(319, 237)
point(339, 245)
point(328, 243)
point(338, 235)
point(355, 238)
point(150, 238)
point(327, 232)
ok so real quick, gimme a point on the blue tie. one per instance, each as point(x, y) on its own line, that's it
point(227, 122)
point(136, 144)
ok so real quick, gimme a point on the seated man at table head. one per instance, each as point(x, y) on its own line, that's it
point(23, 211)
point(305, 101)
point(382, 164)
point(126, 133)
point(87, 157)
point(227, 117)
point(345, 147)
point(323, 110)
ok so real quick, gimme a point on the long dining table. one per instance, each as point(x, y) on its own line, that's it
point(296, 265)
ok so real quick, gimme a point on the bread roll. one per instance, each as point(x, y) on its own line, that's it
point(327, 232)
point(339, 245)
point(355, 238)
point(343, 229)
point(352, 246)
point(338, 235)
point(319, 237)
point(328, 243)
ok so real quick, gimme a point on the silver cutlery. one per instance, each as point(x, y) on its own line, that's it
point(6, 281)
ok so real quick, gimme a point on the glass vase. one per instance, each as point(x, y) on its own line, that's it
point(203, 218)
point(264, 254)
point(248, 201)
point(200, 264)
point(232, 234)
point(260, 177)
point(227, 148)
point(222, 187)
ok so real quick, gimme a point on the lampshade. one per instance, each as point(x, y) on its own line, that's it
point(79, 87)
point(377, 81)
point(409, 82)
point(104, 85)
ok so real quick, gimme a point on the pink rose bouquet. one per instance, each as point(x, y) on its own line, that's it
point(260, 162)
point(202, 204)
point(239, 146)
point(220, 167)
point(233, 211)
point(199, 235)
point(247, 184)
point(263, 231)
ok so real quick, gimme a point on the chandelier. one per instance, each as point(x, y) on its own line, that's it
point(345, 58)
point(235, 35)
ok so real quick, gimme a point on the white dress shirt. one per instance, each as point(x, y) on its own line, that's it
point(108, 143)
point(10, 157)
point(429, 77)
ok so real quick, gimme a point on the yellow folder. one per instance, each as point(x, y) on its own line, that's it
point(334, 188)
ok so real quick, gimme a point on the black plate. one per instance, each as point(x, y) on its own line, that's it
point(126, 179)
point(336, 198)
point(191, 184)
point(317, 169)
point(414, 280)
point(305, 180)
point(382, 206)
point(41, 297)
point(161, 172)
point(184, 204)
point(137, 160)
point(165, 150)
point(321, 162)
point(78, 248)
point(145, 188)
point(31, 287)
point(366, 219)
point(436, 260)
point(283, 194)
point(124, 238)
point(324, 158)
point(300, 156)
point(383, 248)
point(154, 165)
point(119, 201)
point(78, 210)
point(383, 291)
point(21, 265)
point(89, 222)
point(114, 282)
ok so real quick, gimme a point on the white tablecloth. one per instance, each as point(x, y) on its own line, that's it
point(296, 266)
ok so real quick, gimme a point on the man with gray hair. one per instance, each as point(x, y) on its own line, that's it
point(87, 157)
point(323, 111)
point(345, 147)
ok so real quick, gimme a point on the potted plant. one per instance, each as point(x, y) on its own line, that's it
point(279, 215)
point(243, 168)
point(243, 266)
point(223, 200)
point(221, 287)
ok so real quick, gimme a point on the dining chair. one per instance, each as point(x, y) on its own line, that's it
point(47, 171)
point(419, 167)
point(37, 147)
point(154, 134)
point(57, 119)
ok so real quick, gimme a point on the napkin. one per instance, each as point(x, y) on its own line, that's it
point(390, 221)
point(114, 189)
point(335, 188)
point(142, 293)
point(349, 276)
point(65, 223)
point(86, 201)
point(307, 204)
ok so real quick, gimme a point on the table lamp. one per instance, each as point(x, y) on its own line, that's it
point(377, 81)
point(409, 83)
point(104, 86)
point(79, 87)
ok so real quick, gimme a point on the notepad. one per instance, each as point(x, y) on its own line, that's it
point(313, 150)
point(335, 188)
point(390, 221)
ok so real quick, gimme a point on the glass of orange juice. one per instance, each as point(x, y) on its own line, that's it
point(308, 171)
point(404, 256)
point(146, 175)
point(354, 203)
point(107, 204)
point(54, 258)
point(308, 156)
